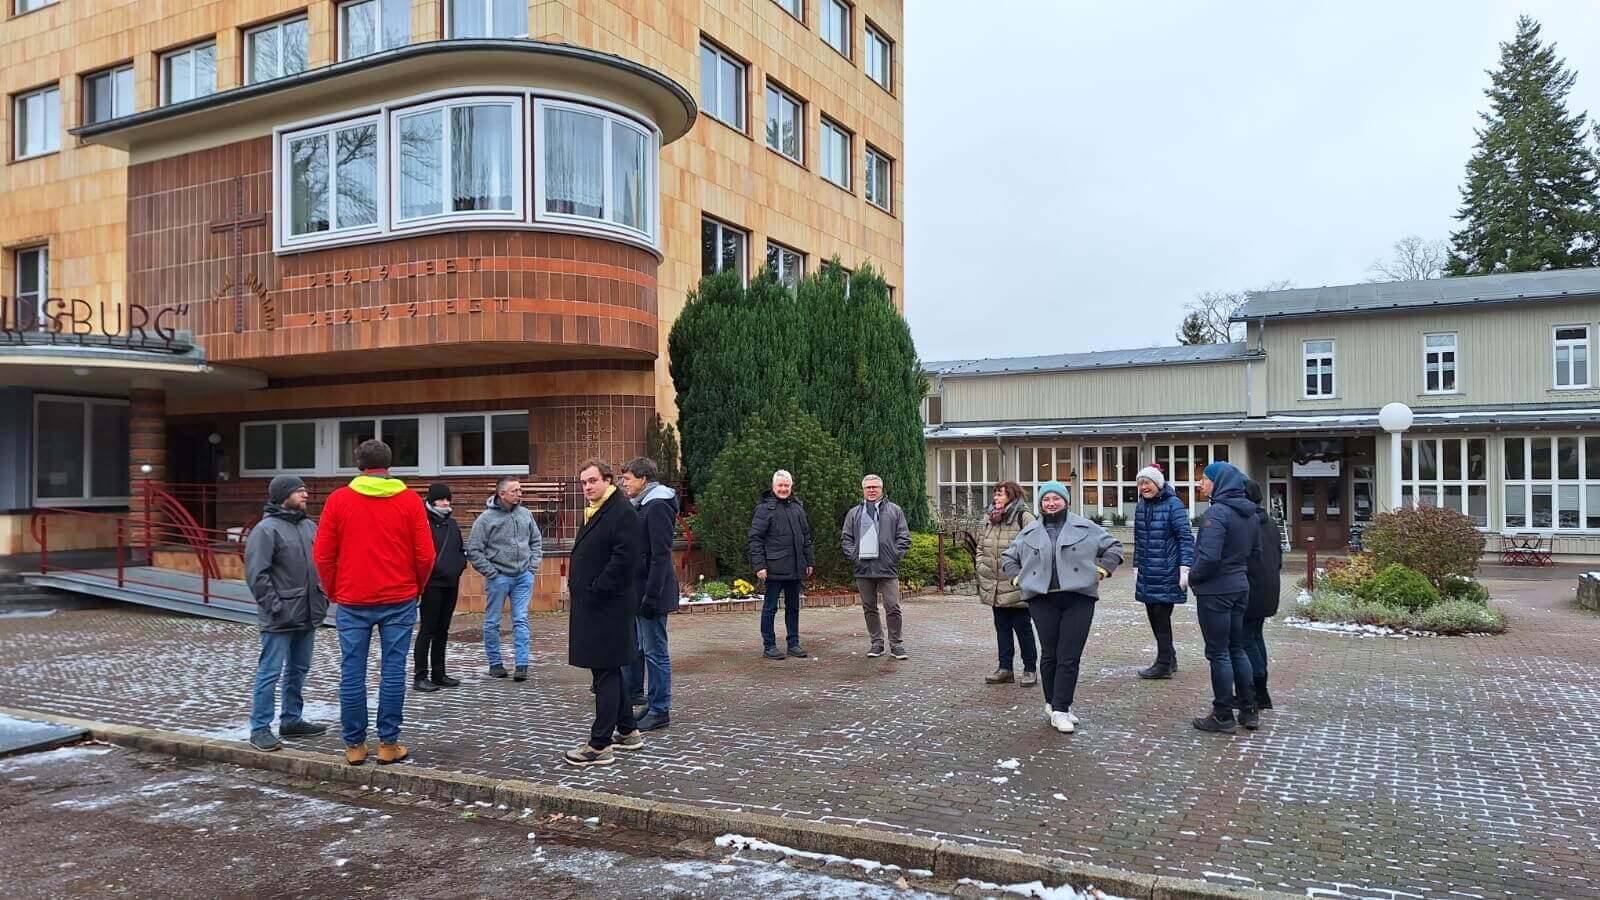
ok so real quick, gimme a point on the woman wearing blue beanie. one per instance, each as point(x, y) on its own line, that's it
point(1058, 561)
point(1221, 583)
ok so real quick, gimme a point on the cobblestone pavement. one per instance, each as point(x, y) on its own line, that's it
point(1393, 767)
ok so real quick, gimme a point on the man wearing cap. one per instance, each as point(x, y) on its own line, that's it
point(290, 605)
point(439, 597)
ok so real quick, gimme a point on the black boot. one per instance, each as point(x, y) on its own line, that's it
point(1249, 718)
point(423, 685)
point(1215, 723)
point(1161, 669)
point(1263, 699)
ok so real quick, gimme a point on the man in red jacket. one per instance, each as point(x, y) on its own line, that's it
point(375, 555)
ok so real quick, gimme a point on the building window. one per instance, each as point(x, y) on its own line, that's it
point(835, 154)
point(794, 8)
point(486, 19)
point(880, 57)
point(879, 180)
point(1038, 465)
point(1572, 356)
point(1109, 476)
point(788, 264)
point(189, 73)
point(459, 158)
point(1452, 473)
point(402, 434)
point(966, 477)
point(722, 86)
point(108, 95)
point(37, 115)
point(271, 448)
point(1183, 466)
point(1552, 483)
point(933, 410)
point(1319, 369)
point(33, 283)
point(836, 25)
point(333, 179)
point(26, 6)
point(372, 26)
point(1439, 363)
point(722, 247)
point(80, 451)
point(595, 166)
point(786, 123)
point(273, 51)
point(488, 441)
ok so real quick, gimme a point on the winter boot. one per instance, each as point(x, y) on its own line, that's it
point(1160, 669)
point(1263, 699)
point(1250, 718)
point(388, 754)
point(1000, 676)
point(1214, 722)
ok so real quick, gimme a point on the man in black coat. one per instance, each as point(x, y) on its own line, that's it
point(603, 580)
point(657, 505)
point(781, 554)
point(439, 597)
point(1265, 586)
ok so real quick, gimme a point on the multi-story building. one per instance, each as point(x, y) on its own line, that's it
point(1498, 370)
point(241, 236)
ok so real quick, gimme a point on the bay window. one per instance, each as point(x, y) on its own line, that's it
point(80, 451)
point(333, 179)
point(372, 26)
point(486, 18)
point(1452, 473)
point(273, 51)
point(459, 157)
point(595, 166)
point(1552, 483)
point(966, 479)
point(189, 73)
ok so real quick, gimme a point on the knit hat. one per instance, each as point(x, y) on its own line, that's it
point(1153, 475)
point(438, 491)
point(1215, 469)
point(1055, 487)
point(282, 486)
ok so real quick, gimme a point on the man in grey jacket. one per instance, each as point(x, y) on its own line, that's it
point(875, 539)
point(290, 605)
point(505, 546)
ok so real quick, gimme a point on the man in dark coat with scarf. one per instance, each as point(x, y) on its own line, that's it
point(1221, 584)
point(603, 579)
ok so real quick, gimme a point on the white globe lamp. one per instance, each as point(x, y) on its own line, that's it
point(1395, 418)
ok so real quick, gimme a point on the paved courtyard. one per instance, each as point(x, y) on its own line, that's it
point(1392, 767)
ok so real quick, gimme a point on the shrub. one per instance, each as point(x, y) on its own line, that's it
point(1119, 519)
point(1401, 588)
point(1346, 576)
point(1332, 606)
point(1097, 518)
point(1459, 617)
point(1459, 588)
point(716, 590)
point(1446, 617)
point(921, 565)
point(1439, 543)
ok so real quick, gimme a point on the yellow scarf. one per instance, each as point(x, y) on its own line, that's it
point(591, 509)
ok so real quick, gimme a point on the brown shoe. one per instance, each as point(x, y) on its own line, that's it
point(355, 755)
point(391, 753)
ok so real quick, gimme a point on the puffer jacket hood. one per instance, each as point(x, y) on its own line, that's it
point(1230, 492)
point(1228, 538)
point(377, 485)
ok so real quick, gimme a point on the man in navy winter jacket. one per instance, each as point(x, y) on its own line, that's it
point(658, 590)
point(1221, 583)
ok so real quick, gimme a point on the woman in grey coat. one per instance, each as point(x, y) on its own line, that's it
point(1059, 560)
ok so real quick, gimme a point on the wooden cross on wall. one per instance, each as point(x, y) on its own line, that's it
point(237, 225)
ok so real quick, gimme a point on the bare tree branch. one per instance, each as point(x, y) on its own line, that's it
point(1209, 318)
point(1414, 259)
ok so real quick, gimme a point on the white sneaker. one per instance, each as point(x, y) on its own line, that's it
point(1047, 711)
point(1061, 722)
point(1073, 716)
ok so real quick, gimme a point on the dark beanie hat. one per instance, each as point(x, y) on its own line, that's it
point(282, 486)
point(438, 491)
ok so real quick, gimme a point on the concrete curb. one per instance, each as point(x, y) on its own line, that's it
point(945, 859)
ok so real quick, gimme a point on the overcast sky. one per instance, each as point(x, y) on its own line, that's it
point(1076, 171)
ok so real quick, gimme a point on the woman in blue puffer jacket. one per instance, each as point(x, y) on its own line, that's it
point(1163, 551)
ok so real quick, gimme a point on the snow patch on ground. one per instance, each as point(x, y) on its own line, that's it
point(60, 754)
point(740, 842)
point(1038, 889)
point(1344, 628)
point(1011, 764)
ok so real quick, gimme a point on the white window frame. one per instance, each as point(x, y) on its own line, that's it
point(120, 99)
point(1327, 364)
point(488, 17)
point(831, 129)
point(1120, 484)
point(787, 275)
point(605, 222)
point(1434, 358)
point(1558, 344)
point(165, 86)
point(24, 6)
point(43, 291)
point(340, 28)
point(492, 468)
point(322, 449)
point(519, 157)
point(430, 444)
point(796, 8)
point(1025, 461)
point(281, 27)
point(744, 238)
point(830, 11)
point(87, 498)
point(286, 167)
point(1413, 486)
point(879, 56)
point(976, 486)
point(425, 436)
point(1586, 483)
point(1187, 486)
point(781, 96)
point(741, 117)
point(930, 403)
point(883, 181)
point(49, 126)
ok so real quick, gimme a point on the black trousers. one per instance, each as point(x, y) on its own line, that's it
point(1012, 621)
point(613, 714)
point(1063, 619)
point(1161, 626)
point(433, 628)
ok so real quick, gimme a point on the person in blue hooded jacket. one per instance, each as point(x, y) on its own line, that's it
point(1163, 552)
point(1221, 583)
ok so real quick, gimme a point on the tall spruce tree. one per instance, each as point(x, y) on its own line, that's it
point(1530, 201)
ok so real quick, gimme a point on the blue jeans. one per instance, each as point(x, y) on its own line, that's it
point(393, 621)
point(654, 659)
point(790, 589)
point(285, 653)
point(520, 589)
point(1222, 626)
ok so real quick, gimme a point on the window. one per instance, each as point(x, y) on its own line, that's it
point(1109, 479)
point(189, 73)
point(836, 154)
point(1446, 472)
point(1552, 483)
point(276, 447)
point(273, 51)
point(1439, 363)
point(722, 247)
point(80, 451)
point(1319, 369)
point(1183, 465)
point(966, 478)
point(33, 282)
point(879, 180)
point(722, 86)
point(933, 410)
point(1572, 356)
point(333, 179)
point(596, 166)
point(108, 95)
point(835, 27)
point(459, 157)
point(24, 6)
point(37, 115)
point(372, 26)
point(403, 435)
point(786, 123)
point(880, 58)
point(1037, 465)
point(786, 263)
point(794, 8)
point(486, 19)
point(496, 440)
point(422, 444)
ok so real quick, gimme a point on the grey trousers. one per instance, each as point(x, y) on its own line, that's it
point(887, 590)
